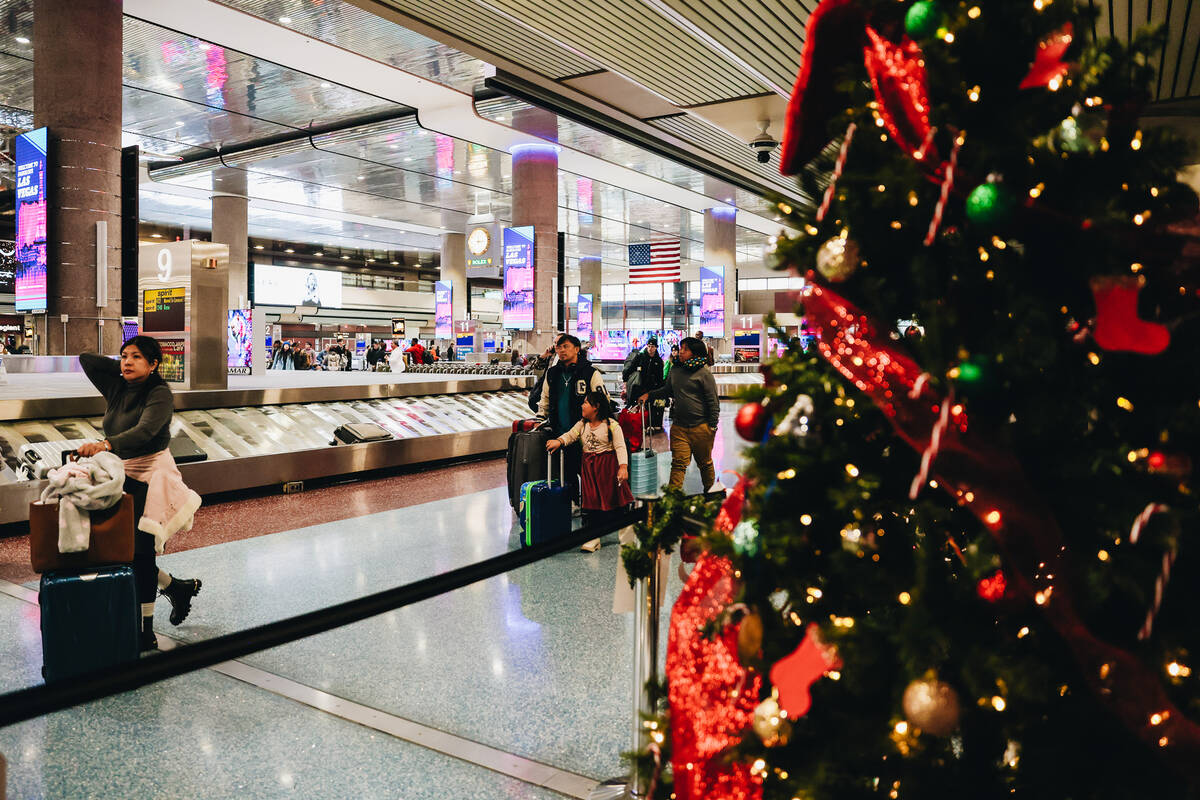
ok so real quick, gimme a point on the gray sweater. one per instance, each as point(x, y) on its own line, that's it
point(694, 396)
point(138, 421)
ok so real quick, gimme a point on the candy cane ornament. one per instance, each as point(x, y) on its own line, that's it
point(827, 200)
point(947, 185)
point(1164, 574)
point(935, 444)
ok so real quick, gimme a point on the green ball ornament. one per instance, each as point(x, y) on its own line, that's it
point(990, 205)
point(923, 19)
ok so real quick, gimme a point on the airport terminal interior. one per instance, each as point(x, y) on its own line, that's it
point(359, 228)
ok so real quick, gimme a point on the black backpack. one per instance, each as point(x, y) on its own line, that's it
point(427, 358)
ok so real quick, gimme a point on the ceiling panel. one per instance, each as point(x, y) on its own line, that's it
point(348, 26)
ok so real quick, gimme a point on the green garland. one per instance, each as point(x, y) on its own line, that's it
point(665, 525)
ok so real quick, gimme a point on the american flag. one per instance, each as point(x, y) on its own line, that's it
point(656, 262)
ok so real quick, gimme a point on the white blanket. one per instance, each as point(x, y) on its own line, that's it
point(90, 484)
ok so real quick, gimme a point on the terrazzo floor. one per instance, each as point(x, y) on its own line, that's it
point(533, 663)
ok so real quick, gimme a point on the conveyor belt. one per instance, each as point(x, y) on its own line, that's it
point(259, 445)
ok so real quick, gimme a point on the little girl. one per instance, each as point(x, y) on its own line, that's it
point(604, 476)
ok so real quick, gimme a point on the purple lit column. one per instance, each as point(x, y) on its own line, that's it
point(720, 249)
point(535, 202)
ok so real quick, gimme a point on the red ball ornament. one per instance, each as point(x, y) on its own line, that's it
point(992, 587)
point(751, 421)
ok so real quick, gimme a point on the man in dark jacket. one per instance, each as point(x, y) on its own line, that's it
point(563, 388)
point(695, 411)
point(375, 354)
point(646, 376)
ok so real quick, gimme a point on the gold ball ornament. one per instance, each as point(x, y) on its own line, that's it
point(838, 259)
point(750, 636)
point(770, 724)
point(932, 706)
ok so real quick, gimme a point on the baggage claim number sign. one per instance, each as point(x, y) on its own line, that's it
point(163, 309)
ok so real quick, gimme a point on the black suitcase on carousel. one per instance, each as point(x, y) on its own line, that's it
point(357, 432)
point(89, 620)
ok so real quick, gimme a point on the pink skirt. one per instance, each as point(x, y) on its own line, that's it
point(599, 488)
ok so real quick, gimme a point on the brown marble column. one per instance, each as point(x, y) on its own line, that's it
point(77, 95)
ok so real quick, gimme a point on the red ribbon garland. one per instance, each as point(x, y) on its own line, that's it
point(1022, 525)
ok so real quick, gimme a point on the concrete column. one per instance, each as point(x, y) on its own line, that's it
point(77, 95)
point(230, 226)
point(535, 202)
point(720, 249)
point(590, 279)
point(454, 271)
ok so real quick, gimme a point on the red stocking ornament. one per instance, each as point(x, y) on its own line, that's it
point(1117, 324)
point(792, 675)
point(1048, 67)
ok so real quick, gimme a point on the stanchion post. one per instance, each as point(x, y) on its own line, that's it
point(647, 604)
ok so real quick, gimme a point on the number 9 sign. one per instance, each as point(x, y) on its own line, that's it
point(164, 264)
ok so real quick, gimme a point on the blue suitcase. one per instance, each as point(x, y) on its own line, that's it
point(545, 508)
point(89, 620)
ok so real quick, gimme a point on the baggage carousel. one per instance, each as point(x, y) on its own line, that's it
point(269, 430)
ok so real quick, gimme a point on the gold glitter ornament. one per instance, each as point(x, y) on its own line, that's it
point(838, 259)
point(932, 706)
point(750, 636)
point(769, 723)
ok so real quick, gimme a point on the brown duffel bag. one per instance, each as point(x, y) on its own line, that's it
point(111, 539)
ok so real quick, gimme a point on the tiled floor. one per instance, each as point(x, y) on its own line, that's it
point(532, 663)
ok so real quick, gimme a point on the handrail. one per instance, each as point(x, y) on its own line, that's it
point(36, 701)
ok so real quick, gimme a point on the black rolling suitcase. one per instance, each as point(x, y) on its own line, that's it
point(90, 620)
point(526, 457)
point(357, 432)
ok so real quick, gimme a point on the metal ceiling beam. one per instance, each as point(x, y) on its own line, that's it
point(550, 100)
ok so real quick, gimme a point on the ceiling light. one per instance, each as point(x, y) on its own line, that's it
point(286, 20)
point(258, 247)
point(344, 258)
point(289, 250)
point(178, 123)
point(395, 263)
point(362, 177)
point(22, 40)
point(325, 84)
point(318, 255)
point(408, 158)
point(156, 236)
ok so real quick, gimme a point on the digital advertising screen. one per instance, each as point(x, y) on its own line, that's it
point(172, 366)
point(240, 341)
point(163, 309)
point(489, 343)
point(746, 345)
point(296, 286)
point(610, 346)
point(8, 267)
point(583, 312)
point(712, 301)
point(32, 251)
point(518, 278)
point(464, 344)
point(443, 309)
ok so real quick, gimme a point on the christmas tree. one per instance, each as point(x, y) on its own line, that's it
point(957, 563)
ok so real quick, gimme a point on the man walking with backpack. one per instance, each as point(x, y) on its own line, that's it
point(695, 411)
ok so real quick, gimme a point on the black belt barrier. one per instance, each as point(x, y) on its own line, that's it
point(26, 704)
